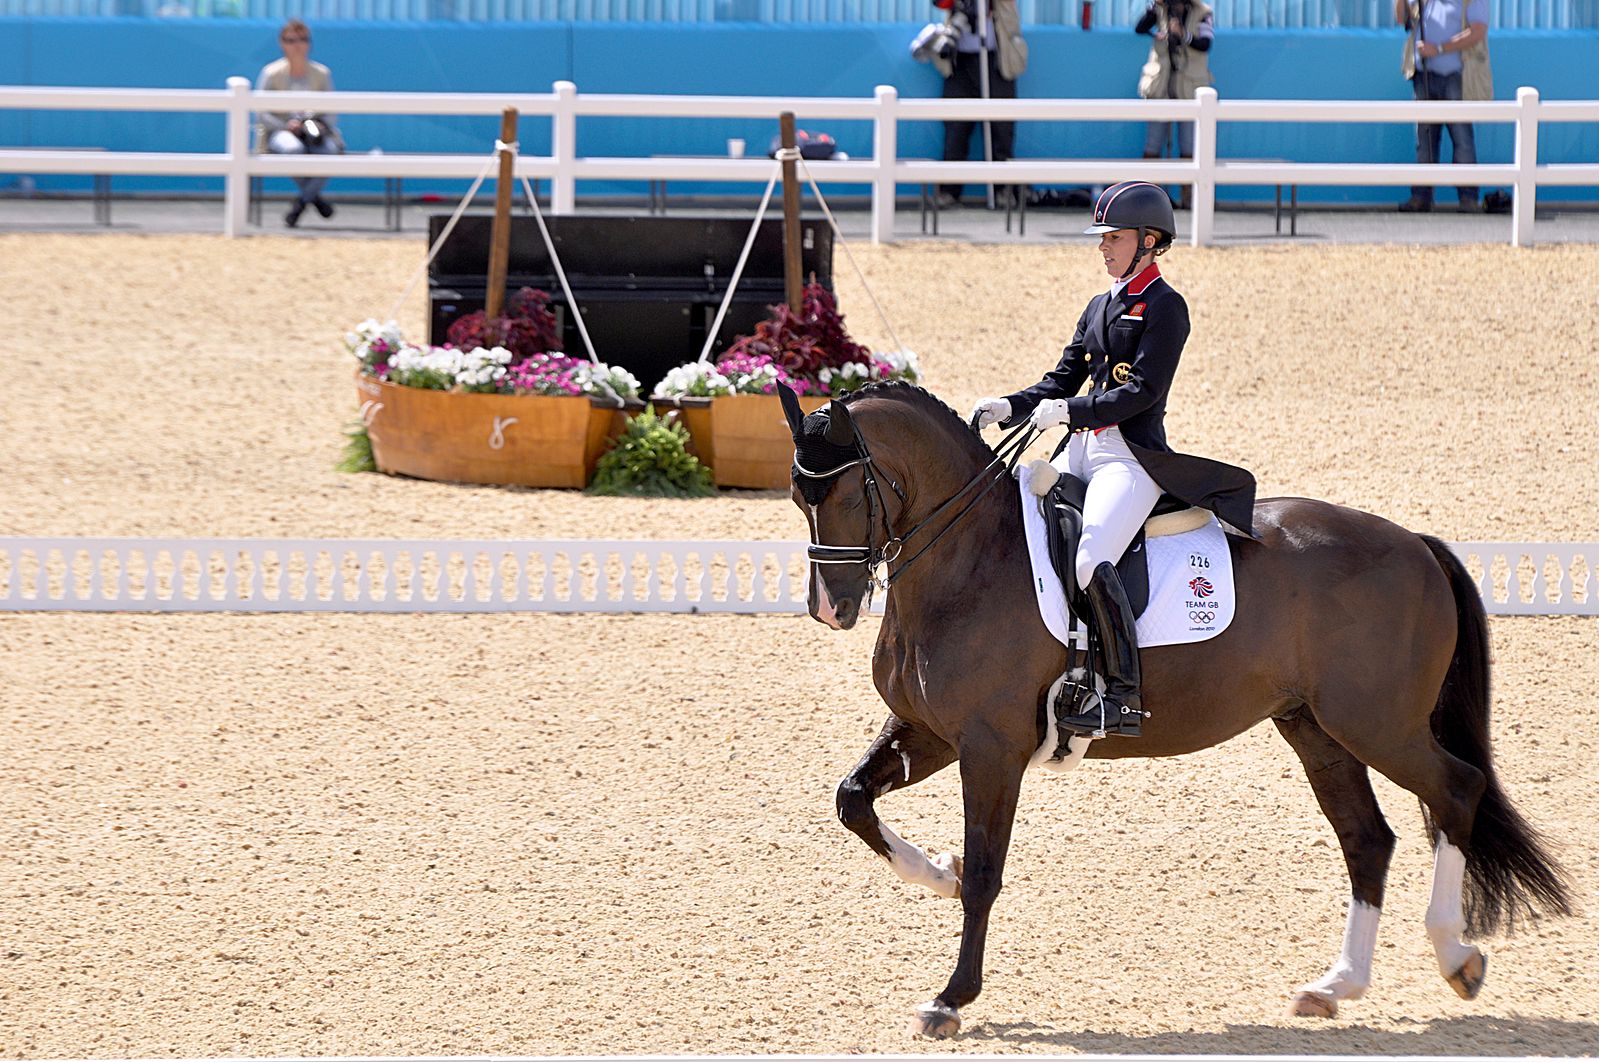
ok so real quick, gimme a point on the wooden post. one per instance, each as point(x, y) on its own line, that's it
point(500, 237)
point(791, 215)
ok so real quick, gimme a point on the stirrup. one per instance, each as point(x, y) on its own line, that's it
point(1099, 717)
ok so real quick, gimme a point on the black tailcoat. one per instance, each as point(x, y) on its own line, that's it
point(1128, 348)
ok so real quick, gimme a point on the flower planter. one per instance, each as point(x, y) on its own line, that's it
point(751, 440)
point(695, 416)
point(528, 440)
point(744, 439)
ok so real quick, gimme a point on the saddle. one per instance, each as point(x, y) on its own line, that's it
point(1063, 502)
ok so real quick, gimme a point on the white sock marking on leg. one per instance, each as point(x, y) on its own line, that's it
point(1445, 919)
point(904, 758)
point(1350, 976)
point(913, 866)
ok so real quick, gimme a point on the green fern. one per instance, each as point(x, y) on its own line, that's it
point(357, 451)
point(650, 459)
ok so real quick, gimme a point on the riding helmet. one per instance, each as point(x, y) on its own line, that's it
point(1135, 205)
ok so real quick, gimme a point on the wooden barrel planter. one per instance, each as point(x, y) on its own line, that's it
point(695, 416)
point(743, 438)
point(527, 440)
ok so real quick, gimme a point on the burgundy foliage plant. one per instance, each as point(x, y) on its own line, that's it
point(803, 344)
point(527, 327)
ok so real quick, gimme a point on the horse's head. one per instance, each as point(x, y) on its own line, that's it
point(840, 488)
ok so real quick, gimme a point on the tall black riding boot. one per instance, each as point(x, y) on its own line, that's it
point(1122, 711)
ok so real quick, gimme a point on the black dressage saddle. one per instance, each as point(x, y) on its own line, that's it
point(1063, 512)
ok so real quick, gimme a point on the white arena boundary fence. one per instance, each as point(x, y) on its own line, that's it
point(1086, 1057)
point(884, 171)
point(618, 576)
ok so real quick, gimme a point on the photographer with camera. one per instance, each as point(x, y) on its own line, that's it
point(1446, 45)
point(980, 58)
point(1178, 65)
point(304, 132)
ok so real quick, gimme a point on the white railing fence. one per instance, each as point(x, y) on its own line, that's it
point(564, 167)
point(1105, 14)
point(384, 575)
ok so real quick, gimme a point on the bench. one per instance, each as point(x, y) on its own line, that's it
point(1012, 196)
point(1016, 200)
point(1277, 206)
point(658, 184)
point(102, 184)
point(393, 200)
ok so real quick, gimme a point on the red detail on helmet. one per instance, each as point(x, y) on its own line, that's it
point(1114, 191)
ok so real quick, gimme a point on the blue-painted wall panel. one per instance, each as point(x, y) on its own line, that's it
point(750, 59)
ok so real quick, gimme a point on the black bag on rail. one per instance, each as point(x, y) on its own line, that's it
point(811, 145)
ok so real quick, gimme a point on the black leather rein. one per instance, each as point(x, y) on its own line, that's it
point(1006, 454)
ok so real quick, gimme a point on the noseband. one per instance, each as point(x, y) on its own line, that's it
point(874, 556)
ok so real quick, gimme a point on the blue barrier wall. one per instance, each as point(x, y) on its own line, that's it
point(748, 59)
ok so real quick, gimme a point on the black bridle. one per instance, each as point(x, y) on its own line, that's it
point(873, 556)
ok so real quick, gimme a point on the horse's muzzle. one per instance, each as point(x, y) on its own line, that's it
point(839, 615)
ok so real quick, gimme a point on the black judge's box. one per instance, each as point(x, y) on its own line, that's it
point(648, 287)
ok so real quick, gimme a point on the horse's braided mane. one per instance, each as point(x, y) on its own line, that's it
point(923, 400)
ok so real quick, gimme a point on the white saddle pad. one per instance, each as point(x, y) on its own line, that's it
point(1190, 580)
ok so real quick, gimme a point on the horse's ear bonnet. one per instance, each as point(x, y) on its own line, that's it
point(823, 441)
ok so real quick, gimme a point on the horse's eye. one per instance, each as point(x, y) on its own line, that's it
point(852, 503)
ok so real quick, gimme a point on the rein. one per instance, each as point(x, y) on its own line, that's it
point(1006, 455)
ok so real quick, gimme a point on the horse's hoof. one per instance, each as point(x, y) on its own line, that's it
point(1467, 981)
point(1311, 1005)
point(952, 865)
point(935, 1021)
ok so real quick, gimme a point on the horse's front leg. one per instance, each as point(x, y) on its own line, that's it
point(902, 755)
point(991, 780)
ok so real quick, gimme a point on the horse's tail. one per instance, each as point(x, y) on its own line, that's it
point(1509, 872)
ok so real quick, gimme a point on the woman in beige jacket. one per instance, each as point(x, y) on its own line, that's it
point(304, 132)
point(1178, 64)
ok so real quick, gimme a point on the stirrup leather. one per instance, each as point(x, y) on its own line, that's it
point(1119, 710)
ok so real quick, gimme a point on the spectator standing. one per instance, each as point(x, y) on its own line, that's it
point(958, 53)
point(1177, 67)
point(305, 132)
point(1441, 31)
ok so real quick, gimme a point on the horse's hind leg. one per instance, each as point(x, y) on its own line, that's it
point(902, 755)
point(1343, 789)
point(1450, 789)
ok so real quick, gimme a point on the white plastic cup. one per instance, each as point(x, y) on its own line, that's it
point(735, 148)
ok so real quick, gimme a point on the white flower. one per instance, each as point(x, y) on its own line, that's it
point(368, 332)
point(903, 365)
point(697, 378)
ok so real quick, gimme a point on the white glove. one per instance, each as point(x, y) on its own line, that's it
point(990, 411)
point(1051, 413)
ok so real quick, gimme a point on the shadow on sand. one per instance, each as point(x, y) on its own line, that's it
point(1509, 1036)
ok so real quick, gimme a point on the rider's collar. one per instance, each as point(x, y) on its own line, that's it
point(1138, 284)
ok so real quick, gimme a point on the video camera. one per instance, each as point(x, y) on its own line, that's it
point(311, 131)
point(962, 19)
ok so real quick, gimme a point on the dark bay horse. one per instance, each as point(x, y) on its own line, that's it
point(1364, 643)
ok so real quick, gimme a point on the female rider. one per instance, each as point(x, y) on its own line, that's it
point(1127, 346)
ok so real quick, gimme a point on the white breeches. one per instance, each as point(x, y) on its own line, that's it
point(1120, 496)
